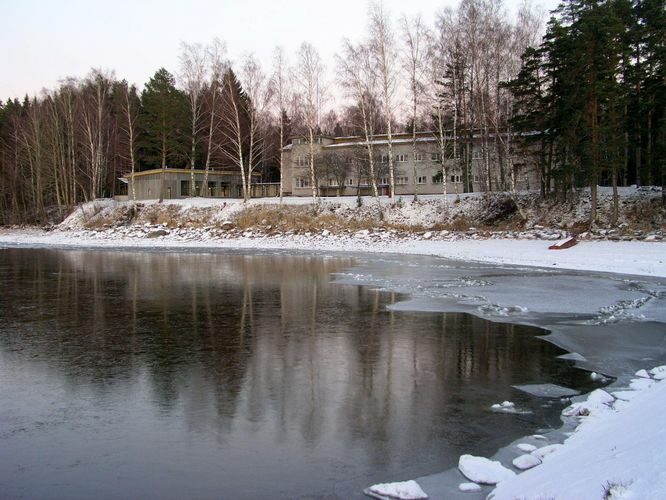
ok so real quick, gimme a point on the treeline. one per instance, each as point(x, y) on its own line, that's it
point(590, 98)
point(586, 103)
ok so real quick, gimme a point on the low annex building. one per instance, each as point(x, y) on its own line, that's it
point(221, 183)
point(341, 166)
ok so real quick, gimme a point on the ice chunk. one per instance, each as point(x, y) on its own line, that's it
point(598, 377)
point(483, 471)
point(546, 450)
point(469, 487)
point(525, 462)
point(658, 372)
point(639, 384)
point(642, 374)
point(547, 390)
point(508, 407)
point(539, 436)
point(405, 490)
point(598, 400)
point(527, 448)
point(573, 356)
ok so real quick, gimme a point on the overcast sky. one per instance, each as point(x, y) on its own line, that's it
point(44, 41)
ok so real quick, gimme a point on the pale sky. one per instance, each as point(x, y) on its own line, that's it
point(44, 41)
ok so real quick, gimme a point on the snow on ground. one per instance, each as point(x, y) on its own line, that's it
point(618, 447)
point(636, 258)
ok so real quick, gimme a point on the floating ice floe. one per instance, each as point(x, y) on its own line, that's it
point(405, 490)
point(642, 373)
point(541, 453)
point(573, 356)
point(658, 372)
point(508, 407)
point(525, 462)
point(483, 471)
point(469, 487)
point(503, 311)
point(527, 448)
point(598, 401)
point(547, 390)
point(638, 384)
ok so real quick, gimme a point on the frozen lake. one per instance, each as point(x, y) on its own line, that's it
point(173, 375)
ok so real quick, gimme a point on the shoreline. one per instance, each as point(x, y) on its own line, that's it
point(636, 258)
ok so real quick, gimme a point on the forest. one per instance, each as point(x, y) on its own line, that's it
point(582, 91)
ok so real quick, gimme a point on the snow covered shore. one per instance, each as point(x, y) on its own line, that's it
point(637, 258)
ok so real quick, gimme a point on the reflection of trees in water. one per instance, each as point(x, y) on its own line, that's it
point(265, 339)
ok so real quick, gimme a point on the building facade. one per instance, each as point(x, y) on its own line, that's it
point(341, 166)
point(221, 183)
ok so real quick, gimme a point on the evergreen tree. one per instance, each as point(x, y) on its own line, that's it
point(163, 119)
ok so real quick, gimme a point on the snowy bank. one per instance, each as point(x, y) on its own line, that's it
point(636, 258)
point(616, 452)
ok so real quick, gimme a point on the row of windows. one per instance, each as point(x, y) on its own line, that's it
point(400, 180)
point(477, 154)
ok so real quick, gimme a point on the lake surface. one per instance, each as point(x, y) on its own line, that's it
point(183, 375)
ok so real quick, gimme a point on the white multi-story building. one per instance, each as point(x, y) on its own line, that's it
point(341, 166)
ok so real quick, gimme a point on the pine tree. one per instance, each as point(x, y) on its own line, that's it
point(163, 118)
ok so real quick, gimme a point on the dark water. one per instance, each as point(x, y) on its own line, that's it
point(164, 375)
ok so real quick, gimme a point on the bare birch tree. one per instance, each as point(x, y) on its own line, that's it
point(129, 106)
point(415, 60)
point(281, 88)
point(94, 120)
point(192, 76)
point(309, 74)
point(259, 95)
point(359, 80)
point(382, 44)
point(216, 55)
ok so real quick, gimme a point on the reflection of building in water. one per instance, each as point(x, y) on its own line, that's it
point(268, 341)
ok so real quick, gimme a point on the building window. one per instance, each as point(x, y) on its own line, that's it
point(437, 179)
point(184, 188)
point(435, 157)
point(477, 154)
point(296, 142)
point(301, 161)
point(421, 179)
point(302, 182)
point(455, 178)
point(418, 157)
point(401, 180)
point(333, 183)
point(350, 181)
point(477, 178)
point(384, 158)
point(401, 158)
point(383, 181)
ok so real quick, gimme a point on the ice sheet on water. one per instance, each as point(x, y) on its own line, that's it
point(573, 356)
point(526, 447)
point(547, 390)
point(483, 471)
